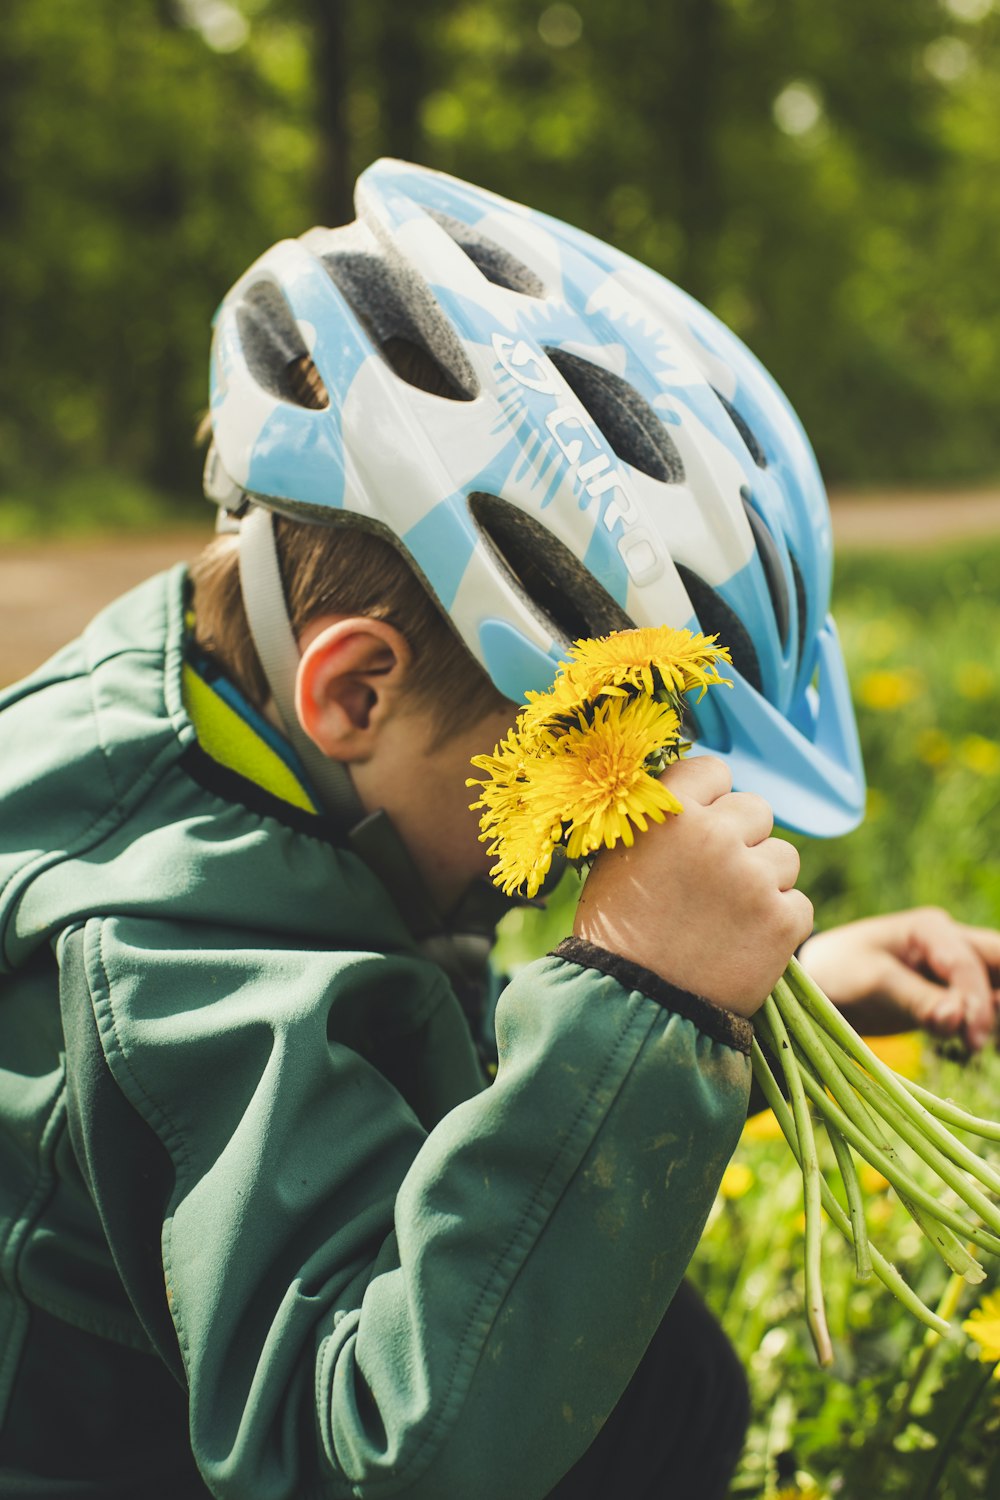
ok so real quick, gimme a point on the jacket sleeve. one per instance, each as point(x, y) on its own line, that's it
point(358, 1305)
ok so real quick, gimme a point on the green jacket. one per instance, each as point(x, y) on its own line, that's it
point(257, 1202)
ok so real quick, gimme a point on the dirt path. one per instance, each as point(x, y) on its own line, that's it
point(49, 590)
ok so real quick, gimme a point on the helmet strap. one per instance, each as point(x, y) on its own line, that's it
point(278, 650)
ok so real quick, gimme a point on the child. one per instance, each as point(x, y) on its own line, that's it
point(268, 1230)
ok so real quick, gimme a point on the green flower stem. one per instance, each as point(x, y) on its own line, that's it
point(855, 1203)
point(906, 1185)
point(929, 1153)
point(827, 1062)
point(951, 1113)
point(932, 1149)
point(824, 1011)
point(817, 1058)
point(948, 1245)
point(817, 1048)
point(811, 1178)
point(884, 1269)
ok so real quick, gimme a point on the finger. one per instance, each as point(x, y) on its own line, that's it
point(937, 1008)
point(986, 942)
point(783, 861)
point(752, 815)
point(800, 915)
point(931, 1005)
point(956, 962)
point(948, 952)
point(699, 778)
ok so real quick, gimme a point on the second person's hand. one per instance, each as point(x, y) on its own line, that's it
point(911, 968)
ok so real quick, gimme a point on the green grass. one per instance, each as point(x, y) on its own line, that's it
point(92, 504)
point(895, 1416)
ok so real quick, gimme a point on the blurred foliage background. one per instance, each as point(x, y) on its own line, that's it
point(827, 178)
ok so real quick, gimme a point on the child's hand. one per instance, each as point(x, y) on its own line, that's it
point(908, 969)
point(705, 899)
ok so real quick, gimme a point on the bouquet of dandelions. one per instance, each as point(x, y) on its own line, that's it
point(580, 769)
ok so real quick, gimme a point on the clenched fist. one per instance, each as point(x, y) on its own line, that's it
point(707, 899)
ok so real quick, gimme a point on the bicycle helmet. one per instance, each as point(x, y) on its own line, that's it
point(595, 450)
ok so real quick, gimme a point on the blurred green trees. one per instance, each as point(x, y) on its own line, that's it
point(826, 177)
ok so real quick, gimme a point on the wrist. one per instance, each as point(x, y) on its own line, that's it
point(717, 1021)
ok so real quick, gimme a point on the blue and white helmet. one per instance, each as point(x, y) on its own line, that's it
point(607, 454)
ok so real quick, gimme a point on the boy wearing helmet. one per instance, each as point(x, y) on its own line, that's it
point(267, 1231)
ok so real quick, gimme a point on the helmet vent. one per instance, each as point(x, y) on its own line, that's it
point(802, 602)
point(307, 384)
point(497, 264)
point(554, 582)
point(715, 617)
point(745, 431)
point(770, 558)
point(274, 349)
point(405, 324)
point(631, 426)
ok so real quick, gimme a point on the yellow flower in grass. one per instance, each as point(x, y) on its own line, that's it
point(980, 754)
point(871, 1178)
point(737, 1180)
point(763, 1126)
point(647, 659)
point(902, 1051)
point(983, 1325)
point(887, 690)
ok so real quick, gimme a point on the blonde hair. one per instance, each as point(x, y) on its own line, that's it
point(346, 570)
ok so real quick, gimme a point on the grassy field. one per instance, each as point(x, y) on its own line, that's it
point(898, 1415)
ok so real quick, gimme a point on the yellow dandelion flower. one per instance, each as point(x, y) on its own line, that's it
point(983, 1325)
point(588, 785)
point(523, 839)
point(581, 764)
point(871, 1179)
point(903, 1052)
point(646, 659)
point(524, 855)
point(566, 701)
point(980, 754)
point(887, 690)
point(596, 778)
point(737, 1180)
point(763, 1126)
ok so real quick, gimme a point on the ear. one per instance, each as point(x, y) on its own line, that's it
point(349, 681)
